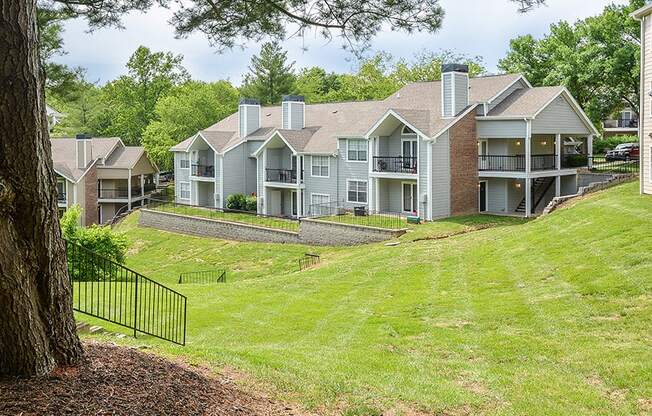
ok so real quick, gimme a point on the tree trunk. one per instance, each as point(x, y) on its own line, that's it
point(37, 328)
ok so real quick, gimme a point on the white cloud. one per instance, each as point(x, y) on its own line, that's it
point(473, 27)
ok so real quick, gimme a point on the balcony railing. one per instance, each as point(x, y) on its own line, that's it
point(621, 123)
point(281, 175)
point(120, 193)
point(204, 171)
point(515, 163)
point(574, 161)
point(396, 164)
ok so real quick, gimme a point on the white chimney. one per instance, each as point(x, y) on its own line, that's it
point(454, 89)
point(248, 116)
point(294, 110)
point(83, 150)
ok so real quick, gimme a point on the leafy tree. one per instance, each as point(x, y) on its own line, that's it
point(316, 84)
point(83, 108)
point(131, 99)
point(270, 76)
point(186, 109)
point(597, 59)
point(37, 329)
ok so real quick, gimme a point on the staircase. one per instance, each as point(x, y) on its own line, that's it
point(540, 187)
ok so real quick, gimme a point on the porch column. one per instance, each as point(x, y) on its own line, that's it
point(299, 208)
point(372, 193)
point(558, 150)
point(129, 191)
point(264, 178)
point(142, 190)
point(558, 186)
point(589, 150)
point(528, 197)
point(528, 148)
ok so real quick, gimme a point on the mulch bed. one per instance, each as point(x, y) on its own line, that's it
point(116, 380)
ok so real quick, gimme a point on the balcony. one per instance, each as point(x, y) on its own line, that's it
point(119, 193)
point(281, 175)
point(395, 164)
point(515, 163)
point(620, 124)
point(203, 171)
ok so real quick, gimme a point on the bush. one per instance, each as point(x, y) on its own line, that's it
point(241, 202)
point(601, 146)
point(98, 239)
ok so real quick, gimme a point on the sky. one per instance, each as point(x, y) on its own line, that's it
point(472, 27)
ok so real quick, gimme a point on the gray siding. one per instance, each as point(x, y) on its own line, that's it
point(180, 175)
point(391, 194)
point(568, 185)
point(349, 170)
point(441, 181)
point(317, 185)
point(461, 92)
point(496, 194)
point(234, 171)
point(501, 128)
point(292, 113)
point(279, 158)
point(447, 80)
point(559, 117)
point(248, 119)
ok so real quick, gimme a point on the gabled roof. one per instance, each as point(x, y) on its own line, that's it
point(525, 103)
point(419, 103)
point(643, 11)
point(124, 157)
point(64, 155)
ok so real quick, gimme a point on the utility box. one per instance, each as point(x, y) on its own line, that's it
point(411, 219)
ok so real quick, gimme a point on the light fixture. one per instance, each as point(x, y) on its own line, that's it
point(518, 185)
point(544, 143)
point(518, 142)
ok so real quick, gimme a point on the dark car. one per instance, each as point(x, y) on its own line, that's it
point(624, 151)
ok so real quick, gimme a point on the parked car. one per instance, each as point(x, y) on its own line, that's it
point(624, 151)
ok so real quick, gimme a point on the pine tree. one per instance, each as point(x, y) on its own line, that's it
point(270, 75)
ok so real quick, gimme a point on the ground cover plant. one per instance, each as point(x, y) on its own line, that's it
point(550, 316)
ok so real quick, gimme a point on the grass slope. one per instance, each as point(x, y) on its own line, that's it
point(552, 316)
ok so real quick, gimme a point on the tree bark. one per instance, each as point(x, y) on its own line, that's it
point(37, 328)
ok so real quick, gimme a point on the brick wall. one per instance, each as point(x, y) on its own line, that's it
point(90, 197)
point(464, 166)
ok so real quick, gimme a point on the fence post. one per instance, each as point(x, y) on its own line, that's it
point(136, 307)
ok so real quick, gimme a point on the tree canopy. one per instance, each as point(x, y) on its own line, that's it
point(597, 59)
point(270, 75)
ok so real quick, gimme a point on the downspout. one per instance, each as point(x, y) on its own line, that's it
point(641, 111)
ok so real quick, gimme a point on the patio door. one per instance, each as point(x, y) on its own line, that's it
point(409, 153)
point(482, 196)
point(483, 151)
point(410, 196)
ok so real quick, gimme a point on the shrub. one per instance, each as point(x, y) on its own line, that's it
point(241, 202)
point(98, 239)
point(601, 146)
point(236, 202)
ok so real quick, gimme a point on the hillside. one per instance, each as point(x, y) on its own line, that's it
point(551, 316)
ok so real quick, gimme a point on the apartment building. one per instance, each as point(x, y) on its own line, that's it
point(101, 175)
point(644, 15)
point(434, 149)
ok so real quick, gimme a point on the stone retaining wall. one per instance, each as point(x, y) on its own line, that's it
point(612, 180)
point(328, 233)
point(214, 228)
point(311, 231)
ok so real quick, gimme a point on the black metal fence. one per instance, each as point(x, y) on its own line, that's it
point(360, 215)
point(281, 175)
point(599, 164)
point(308, 261)
point(500, 163)
point(395, 164)
point(206, 171)
point(107, 290)
point(243, 217)
point(204, 277)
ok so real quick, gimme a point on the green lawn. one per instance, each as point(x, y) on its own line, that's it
point(252, 219)
point(551, 316)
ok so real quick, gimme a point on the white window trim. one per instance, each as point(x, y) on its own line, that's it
point(414, 197)
point(179, 196)
point(348, 184)
point(184, 157)
point(408, 139)
point(319, 194)
point(347, 151)
point(312, 165)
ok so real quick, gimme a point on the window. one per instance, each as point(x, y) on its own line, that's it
point(357, 150)
point(407, 131)
point(184, 190)
point(320, 205)
point(357, 191)
point(184, 162)
point(320, 166)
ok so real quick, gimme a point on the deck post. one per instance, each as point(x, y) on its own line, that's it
point(558, 151)
point(589, 150)
point(528, 197)
point(129, 191)
point(557, 185)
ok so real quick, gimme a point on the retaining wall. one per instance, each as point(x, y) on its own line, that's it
point(612, 180)
point(311, 231)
